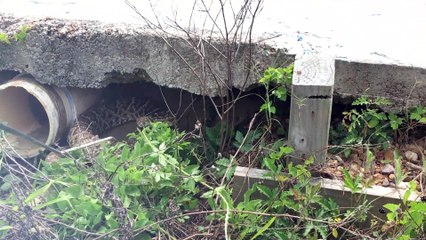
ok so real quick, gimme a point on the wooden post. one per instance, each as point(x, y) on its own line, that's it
point(311, 103)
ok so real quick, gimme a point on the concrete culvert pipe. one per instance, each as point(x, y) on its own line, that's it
point(41, 111)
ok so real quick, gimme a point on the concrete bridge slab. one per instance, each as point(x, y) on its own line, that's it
point(379, 45)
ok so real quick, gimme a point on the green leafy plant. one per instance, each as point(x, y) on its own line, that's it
point(276, 82)
point(369, 160)
point(418, 114)
point(122, 190)
point(4, 38)
point(369, 123)
point(399, 174)
point(273, 162)
point(296, 196)
point(408, 221)
point(352, 183)
point(247, 143)
point(21, 35)
point(213, 137)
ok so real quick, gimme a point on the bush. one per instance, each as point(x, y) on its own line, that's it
point(122, 190)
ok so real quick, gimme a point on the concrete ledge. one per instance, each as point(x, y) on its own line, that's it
point(405, 86)
point(93, 54)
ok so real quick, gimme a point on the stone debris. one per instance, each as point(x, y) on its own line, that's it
point(388, 169)
point(385, 182)
point(411, 156)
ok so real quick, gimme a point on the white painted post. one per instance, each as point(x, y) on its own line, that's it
point(311, 103)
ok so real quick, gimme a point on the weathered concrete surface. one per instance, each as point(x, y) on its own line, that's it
point(405, 86)
point(380, 31)
point(380, 47)
point(94, 54)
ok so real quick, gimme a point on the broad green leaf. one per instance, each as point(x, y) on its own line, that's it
point(270, 164)
point(265, 191)
point(373, 123)
point(223, 162)
point(404, 237)
point(22, 33)
point(264, 228)
point(5, 186)
point(418, 206)
point(309, 227)
point(281, 236)
point(75, 191)
point(192, 169)
point(125, 152)
point(239, 137)
point(38, 193)
point(162, 159)
point(98, 218)
point(412, 187)
point(349, 182)
point(189, 185)
point(286, 150)
point(112, 223)
point(208, 194)
point(91, 207)
point(280, 93)
point(360, 101)
point(61, 198)
point(230, 173)
point(171, 160)
point(4, 38)
point(143, 236)
point(162, 147)
point(392, 210)
point(225, 195)
point(133, 191)
point(264, 107)
point(157, 177)
point(309, 161)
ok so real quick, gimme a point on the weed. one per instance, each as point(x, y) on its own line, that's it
point(418, 114)
point(298, 197)
point(369, 123)
point(276, 82)
point(249, 142)
point(369, 160)
point(352, 183)
point(406, 222)
point(4, 38)
point(21, 35)
point(399, 174)
point(123, 188)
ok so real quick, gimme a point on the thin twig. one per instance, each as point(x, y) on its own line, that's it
point(96, 142)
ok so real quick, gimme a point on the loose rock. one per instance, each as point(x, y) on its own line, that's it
point(388, 155)
point(388, 169)
point(338, 158)
point(385, 182)
point(411, 156)
point(354, 167)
